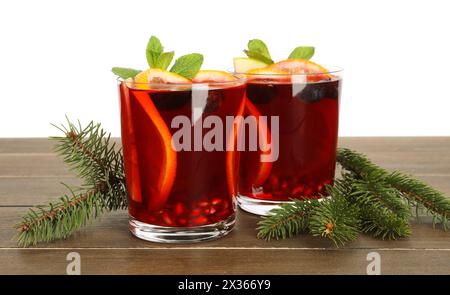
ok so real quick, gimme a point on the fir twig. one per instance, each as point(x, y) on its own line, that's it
point(414, 191)
point(288, 220)
point(89, 153)
point(335, 218)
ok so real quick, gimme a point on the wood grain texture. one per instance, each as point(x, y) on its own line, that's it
point(30, 174)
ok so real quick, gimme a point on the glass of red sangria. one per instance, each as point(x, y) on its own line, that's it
point(181, 163)
point(296, 103)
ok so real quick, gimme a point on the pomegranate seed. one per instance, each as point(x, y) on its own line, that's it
point(216, 201)
point(195, 212)
point(182, 221)
point(167, 218)
point(308, 191)
point(320, 188)
point(178, 209)
point(203, 204)
point(212, 210)
point(284, 184)
point(298, 190)
point(200, 220)
point(274, 181)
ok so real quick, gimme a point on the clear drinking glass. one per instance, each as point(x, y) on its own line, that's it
point(181, 181)
point(300, 113)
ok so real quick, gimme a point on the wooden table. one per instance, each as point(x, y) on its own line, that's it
point(30, 174)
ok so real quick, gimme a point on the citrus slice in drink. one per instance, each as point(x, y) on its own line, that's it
point(205, 76)
point(245, 64)
point(268, 74)
point(232, 156)
point(260, 171)
point(133, 181)
point(158, 160)
point(157, 78)
point(313, 71)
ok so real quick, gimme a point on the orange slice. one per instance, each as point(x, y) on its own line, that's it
point(302, 66)
point(268, 74)
point(262, 170)
point(232, 156)
point(144, 79)
point(213, 76)
point(158, 160)
point(132, 177)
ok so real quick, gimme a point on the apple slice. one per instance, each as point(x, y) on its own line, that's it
point(245, 64)
point(213, 76)
point(144, 79)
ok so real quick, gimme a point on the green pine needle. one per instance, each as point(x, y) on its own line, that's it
point(335, 218)
point(90, 154)
point(288, 220)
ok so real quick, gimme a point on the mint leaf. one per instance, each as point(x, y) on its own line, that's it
point(125, 73)
point(188, 65)
point(258, 56)
point(257, 49)
point(154, 50)
point(305, 52)
point(164, 60)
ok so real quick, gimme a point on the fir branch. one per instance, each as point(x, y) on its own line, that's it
point(335, 218)
point(288, 220)
point(422, 195)
point(416, 192)
point(90, 154)
point(60, 219)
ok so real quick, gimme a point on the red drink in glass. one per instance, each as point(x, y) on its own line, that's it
point(307, 112)
point(178, 195)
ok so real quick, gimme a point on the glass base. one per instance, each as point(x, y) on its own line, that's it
point(258, 206)
point(168, 234)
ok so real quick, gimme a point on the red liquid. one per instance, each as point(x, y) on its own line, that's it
point(170, 188)
point(308, 128)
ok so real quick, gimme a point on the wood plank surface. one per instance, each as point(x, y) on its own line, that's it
point(30, 174)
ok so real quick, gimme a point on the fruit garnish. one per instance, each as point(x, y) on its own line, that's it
point(157, 76)
point(257, 49)
point(186, 66)
point(263, 168)
point(232, 157)
point(156, 179)
point(213, 76)
point(244, 64)
point(302, 66)
point(133, 179)
point(268, 74)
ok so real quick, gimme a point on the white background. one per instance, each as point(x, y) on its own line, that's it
point(55, 56)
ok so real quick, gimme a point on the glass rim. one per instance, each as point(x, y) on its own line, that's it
point(240, 79)
point(331, 70)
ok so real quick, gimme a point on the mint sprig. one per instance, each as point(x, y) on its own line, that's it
point(164, 60)
point(188, 65)
point(153, 51)
point(304, 52)
point(125, 73)
point(257, 49)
